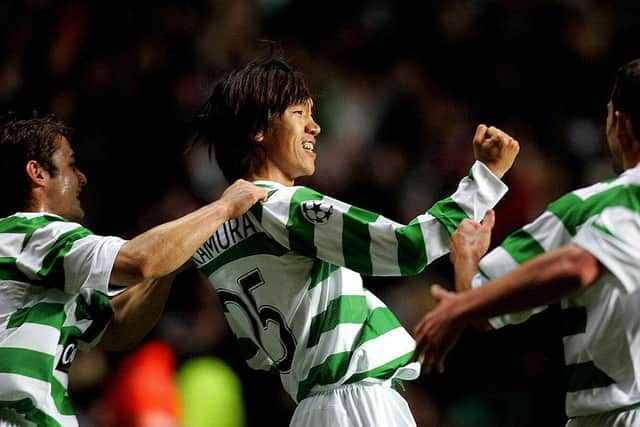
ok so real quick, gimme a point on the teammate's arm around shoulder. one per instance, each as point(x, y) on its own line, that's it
point(495, 148)
point(165, 248)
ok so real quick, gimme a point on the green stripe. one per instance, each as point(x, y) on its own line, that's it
point(320, 271)
point(356, 240)
point(573, 320)
point(573, 211)
point(381, 320)
point(27, 409)
point(448, 213)
point(522, 246)
point(333, 368)
point(27, 226)
point(412, 255)
point(9, 270)
point(60, 398)
point(345, 309)
point(256, 244)
point(44, 313)
point(52, 270)
point(586, 376)
point(382, 372)
point(301, 231)
point(99, 310)
point(29, 363)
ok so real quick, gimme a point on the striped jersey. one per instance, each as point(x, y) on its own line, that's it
point(601, 325)
point(54, 276)
point(288, 273)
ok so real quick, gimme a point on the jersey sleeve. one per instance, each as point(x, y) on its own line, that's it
point(545, 233)
point(319, 226)
point(69, 257)
point(613, 237)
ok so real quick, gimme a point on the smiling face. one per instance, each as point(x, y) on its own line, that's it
point(65, 184)
point(289, 143)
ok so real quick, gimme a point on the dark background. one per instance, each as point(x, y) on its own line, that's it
point(399, 91)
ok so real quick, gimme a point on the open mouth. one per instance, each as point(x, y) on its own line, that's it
point(308, 146)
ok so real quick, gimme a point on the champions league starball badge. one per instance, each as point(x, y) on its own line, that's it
point(316, 212)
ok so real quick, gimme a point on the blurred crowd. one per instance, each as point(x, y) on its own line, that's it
point(400, 87)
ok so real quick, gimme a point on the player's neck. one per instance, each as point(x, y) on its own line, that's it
point(271, 173)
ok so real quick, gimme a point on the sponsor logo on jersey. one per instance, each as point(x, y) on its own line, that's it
point(66, 357)
point(316, 212)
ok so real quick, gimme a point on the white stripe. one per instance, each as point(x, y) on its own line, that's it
point(436, 238)
point(327, 237)
point(475, 196)
point(592, 190)
point(497, 263)
point(384, 247)
point(384, 349)
point(341, 282)
point(31, 258)
point(574, 346)
point(31, 336)
point(275, 215)
point(38, 390)
point(11, 244)
point(548, 231)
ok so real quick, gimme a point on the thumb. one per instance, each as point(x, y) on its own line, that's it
point(438, 292)
point(489, 220)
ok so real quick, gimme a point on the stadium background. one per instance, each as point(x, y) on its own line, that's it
point(399, 90)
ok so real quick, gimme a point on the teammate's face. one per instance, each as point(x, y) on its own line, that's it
point(290, 144)
point(612, 140)
point(65, 187)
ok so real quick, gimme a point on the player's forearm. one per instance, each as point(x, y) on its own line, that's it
point(465, 268)
point(541, 281)
point(165, 248)
point(136, 312)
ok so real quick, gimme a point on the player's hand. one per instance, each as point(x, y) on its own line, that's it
point(438, 331)
point(471, 239)
point(240, 196)
point(495, 148)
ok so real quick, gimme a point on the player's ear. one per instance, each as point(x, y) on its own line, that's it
point(36, 173)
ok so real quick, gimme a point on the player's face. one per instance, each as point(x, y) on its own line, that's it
point(290, 143)
point(612, 140)
point(65, 187)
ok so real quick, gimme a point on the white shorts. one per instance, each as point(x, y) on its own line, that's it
point(628, 418)
point(354, 405)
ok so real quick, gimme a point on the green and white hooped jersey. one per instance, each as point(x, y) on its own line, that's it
point(288, 275)
point(54, 277)
point(601, 325)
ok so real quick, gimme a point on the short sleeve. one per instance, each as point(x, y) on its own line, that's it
point(613, 237)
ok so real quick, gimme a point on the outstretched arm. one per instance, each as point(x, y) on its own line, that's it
point(318, 226)
point(165, 248)
point(542, 280)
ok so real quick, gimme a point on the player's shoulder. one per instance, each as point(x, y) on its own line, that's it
point(28, 222)
point(294, 194)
